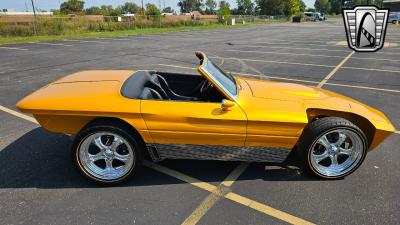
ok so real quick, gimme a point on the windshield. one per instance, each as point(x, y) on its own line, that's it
point(225, 80)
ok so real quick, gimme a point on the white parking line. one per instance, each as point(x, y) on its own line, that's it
point(335, 70)
point(292, 42)
point(363, 87)
point(291, 79)
point(370, 69)
point(314, 55)
point(116, 39)
point(311, 49)
point(88, 41)
point(307, 49)
point(309, 64)
point(284, 53)
point(12, 48)
point(51, 44)
point(278, 62)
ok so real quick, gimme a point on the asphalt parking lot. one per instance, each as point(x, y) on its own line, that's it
point(39, 184)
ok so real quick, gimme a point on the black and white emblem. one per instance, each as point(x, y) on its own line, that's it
point(365, 27)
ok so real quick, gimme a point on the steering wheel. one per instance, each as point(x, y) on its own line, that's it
point(205, 86)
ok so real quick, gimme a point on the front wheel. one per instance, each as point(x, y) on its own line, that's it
point(106, 153)
point(332, 147)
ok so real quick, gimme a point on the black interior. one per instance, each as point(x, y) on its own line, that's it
point(170, 86)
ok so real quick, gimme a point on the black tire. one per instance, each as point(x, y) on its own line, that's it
point(317, 129)
point(115, 128)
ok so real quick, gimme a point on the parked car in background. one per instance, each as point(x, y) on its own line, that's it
point(394, 17)
point(310, 16)
point(321, 16)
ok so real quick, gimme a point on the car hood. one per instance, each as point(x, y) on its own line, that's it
point(297, 93)
point(310, 97)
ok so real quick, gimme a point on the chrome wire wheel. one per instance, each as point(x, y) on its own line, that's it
point(106, 156)
point(337, 152)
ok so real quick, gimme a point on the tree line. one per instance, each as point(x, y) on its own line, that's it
point(335, 6)
point(211, 7)
point(78, 7)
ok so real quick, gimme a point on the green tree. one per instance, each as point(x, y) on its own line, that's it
point(187, 6)
point(129, 7)
point(245, 7)
point(108, 10)
point(322, 6)
point(335, 6)
point(302, 6)
point(310, 10)
point(152, 10)
point(292, 7)
point(352, 3)
point(210, 7)
point(270, 7)
point(72, 6)
point(168, 10)
point(224, 8)
point(94, 10)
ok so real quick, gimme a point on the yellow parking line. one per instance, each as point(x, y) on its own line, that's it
point(234, 175)
point(202, 209)
point(397, 132)
point(335, 69)
point(18, 114)
point(183, 177)
point(217, 193)
point(213, 198)
point(265, 209)
point(202, 185)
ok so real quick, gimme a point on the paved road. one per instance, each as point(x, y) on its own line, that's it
point(39, 185)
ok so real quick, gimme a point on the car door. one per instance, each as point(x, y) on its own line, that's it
point(203, 123)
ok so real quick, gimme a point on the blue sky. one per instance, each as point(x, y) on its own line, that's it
point(19, 5)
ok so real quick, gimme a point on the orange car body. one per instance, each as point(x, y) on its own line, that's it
point(263, 114)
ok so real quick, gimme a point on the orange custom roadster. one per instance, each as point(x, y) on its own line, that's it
point(119, 116)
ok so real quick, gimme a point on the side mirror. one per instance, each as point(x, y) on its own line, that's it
point(226, 104)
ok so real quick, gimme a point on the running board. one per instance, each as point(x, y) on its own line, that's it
point(159, 152)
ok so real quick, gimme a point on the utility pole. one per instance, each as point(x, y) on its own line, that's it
point(142, 7)
point(33, 7)
point(163, 4)
point(34, 15)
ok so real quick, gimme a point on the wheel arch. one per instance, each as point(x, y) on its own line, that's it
point(363, 123)
point(118, 122)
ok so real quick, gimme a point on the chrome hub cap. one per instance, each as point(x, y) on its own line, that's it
point(106, 155)
point(336, 152)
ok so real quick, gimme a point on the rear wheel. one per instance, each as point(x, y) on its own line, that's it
point(107, 153)
point(332, 147)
